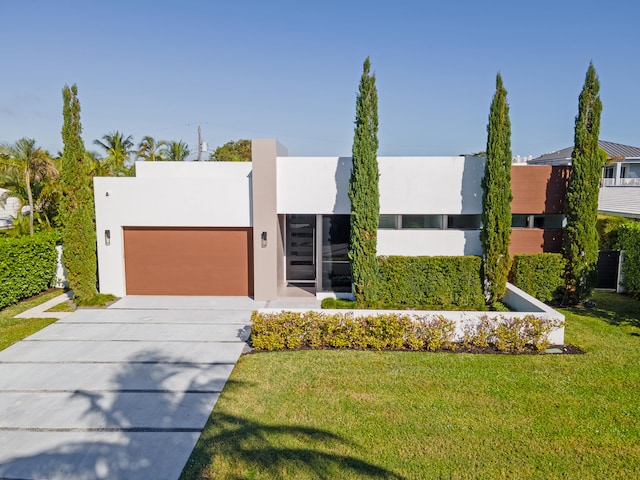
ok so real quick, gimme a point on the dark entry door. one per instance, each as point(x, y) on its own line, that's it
point(608, 268)
point(301, 248)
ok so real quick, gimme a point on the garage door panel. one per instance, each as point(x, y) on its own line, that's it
point(188, 261)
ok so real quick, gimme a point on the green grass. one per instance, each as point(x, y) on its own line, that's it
point(13, 330)
point(356, 414)
point(67, 306)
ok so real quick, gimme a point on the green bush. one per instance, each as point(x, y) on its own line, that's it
point(27, 266)
point(431, 282)
point(608, 226)
point(539, 274)
point(629, 241)
point(293, 330)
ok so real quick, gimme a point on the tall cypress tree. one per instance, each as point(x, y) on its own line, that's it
point(496, 197)
point(363, 190)
point(78, 215)
point(580, 247)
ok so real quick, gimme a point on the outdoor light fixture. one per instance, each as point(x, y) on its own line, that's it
point(107, 237)
point(263, 239)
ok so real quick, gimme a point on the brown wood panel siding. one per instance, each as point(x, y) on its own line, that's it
point(538, 188)
point(535, 240)
point(188, 261)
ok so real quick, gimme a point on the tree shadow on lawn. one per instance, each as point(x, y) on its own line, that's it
point(249, 444)
point(614, 308)
point(142, 421)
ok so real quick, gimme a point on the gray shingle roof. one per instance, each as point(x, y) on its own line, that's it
point(614, 150)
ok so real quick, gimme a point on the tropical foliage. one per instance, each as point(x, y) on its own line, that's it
point(233, 151)
point(151, 150)
point(29, 174)
point(118, 150)
point(177, 151)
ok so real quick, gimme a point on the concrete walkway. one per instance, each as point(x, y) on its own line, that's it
point(118, 393)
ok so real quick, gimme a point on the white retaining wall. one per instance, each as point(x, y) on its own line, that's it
point(521, 301)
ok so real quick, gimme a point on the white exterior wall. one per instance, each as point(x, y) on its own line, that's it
point(408, 185)
point(313, 185)
point(623, 201)
point(219, 195)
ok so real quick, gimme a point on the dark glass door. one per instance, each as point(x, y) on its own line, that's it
point(301, 248)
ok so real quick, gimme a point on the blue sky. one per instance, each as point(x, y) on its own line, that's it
point(290, 70)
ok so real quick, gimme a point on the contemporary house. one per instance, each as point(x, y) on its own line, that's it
point(620, 185)
point(222, 228)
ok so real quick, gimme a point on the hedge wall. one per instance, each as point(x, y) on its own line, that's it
point(27, 266)
point(608, 227)
point(434, 282)
point(540, 275)
point(629, 241)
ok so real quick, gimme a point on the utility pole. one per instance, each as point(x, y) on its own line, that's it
point(199, 145)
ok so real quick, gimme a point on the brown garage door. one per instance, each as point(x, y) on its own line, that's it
point(188, 261)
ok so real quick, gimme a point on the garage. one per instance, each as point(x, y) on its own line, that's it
point(188, 261)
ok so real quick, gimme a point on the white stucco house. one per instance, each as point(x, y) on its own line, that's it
point(222, 228)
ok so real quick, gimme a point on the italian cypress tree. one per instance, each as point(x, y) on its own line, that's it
point(78, 215)
point(363, 190)
point(580, 248)
point(496, 197)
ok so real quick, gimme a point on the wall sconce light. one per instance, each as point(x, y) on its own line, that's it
point(107, 237)
point(263, 239)
point(107, 193)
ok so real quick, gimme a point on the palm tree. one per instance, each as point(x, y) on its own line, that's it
point(118, 149)
point(151, 150)
point(24, 171)
point(177, 151)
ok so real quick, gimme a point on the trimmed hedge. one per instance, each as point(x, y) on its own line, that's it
point(608, 227)
point(433, 282)
point(629, 241)
point(540, 275)
point(393, 331)
point(27, 266)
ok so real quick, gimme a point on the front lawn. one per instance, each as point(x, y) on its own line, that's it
point(357, 414)
point(13, 330)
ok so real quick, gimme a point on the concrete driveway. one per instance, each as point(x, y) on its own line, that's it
point(118, 393)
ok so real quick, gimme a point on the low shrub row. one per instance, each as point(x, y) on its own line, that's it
point(540, 275)
point(27, 266)
point(316, 330)
point(442, 283)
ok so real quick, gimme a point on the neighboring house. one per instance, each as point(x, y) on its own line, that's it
point(8, 209)
point(620, 185)
point(227, 228)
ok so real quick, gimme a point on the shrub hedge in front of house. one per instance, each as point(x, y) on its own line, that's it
point(27, 266)
point(629, 241)
point(435, 282)
point(395, 331)
point(539, 274)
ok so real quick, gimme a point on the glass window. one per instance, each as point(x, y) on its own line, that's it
point(548, 221)
point(464, 222)
point(336, 273)
point(388, 221)
point(422, 221)
point(519, 221)
point(609, 172)
point(335, 237)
